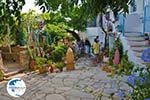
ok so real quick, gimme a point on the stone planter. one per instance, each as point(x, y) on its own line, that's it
point(51, 69)
point(18, 55)
point(1, 75)
point(23, 58)
point(32, 64)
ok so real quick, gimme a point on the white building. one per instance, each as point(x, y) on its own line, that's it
point(136, 23)
point(139, 16)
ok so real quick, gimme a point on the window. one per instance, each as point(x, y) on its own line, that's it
point(133, 6)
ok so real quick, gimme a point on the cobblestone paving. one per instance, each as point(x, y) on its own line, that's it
point(87, 82)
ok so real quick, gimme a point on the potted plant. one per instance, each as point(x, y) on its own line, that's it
point(60, 65)
point(146, 37)
point(32, 62)
point(41, 64)
point(50, 66)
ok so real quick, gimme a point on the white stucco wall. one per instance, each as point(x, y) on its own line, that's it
point(134, 20)
point(140, 6)
point(146, 2)
point(130, 53)
point(133, 23)
point(92, 32)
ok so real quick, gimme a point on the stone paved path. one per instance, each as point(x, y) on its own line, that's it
point(87, 82)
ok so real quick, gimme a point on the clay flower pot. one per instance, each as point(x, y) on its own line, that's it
point(32, 64)
point(51, 69)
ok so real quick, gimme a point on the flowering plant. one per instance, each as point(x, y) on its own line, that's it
point(140, 84)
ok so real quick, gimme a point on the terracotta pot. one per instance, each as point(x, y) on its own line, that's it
point(61, 69)
point(32, 64)
point(51, 69)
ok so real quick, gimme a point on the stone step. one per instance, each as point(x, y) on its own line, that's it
point(138, 44)
point(138, 54)
point(138, 39)
point(141, 61)
point(14, 72)
point(138, 49)
point(133, 35)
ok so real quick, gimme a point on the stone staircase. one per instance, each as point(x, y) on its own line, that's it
point(13, 69)
point(137, 45)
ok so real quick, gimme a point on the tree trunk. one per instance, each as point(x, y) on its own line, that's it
point(9, 46)
point(105, 44)
point(74, 34)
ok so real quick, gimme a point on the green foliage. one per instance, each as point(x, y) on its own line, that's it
point(78, 18)
point(40, 61)
point(58, 53)
point(60, 65)
point(55, 32)
point(111, 56)
point(10, 15)
point(125, 66)
point(21, 38)
point(141, 90)
point(29, 21)
point(50, 62)
point(6, 40)
point(119, 45)
point(93, 7)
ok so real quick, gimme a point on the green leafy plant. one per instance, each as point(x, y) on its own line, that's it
point(40, 61)
point(60, 65)
point(58, 53)
point(125, 66)
point(50, 62)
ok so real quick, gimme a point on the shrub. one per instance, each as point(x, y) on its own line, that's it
point(58, 53)
point(60, 65)
point(125, 66)
point(140, 84)
point(40, 61)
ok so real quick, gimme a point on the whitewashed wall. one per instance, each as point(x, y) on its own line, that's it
point(92, 32)
point(133, 23)
point(140, 6)
point(146, 2)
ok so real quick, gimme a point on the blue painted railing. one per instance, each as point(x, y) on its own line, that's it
point(146, 26)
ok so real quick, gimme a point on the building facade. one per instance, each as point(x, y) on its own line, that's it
point(139, 16)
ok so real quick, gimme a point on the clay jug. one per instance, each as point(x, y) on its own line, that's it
point(70, 59)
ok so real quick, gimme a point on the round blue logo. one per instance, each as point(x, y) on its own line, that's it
point(16, 87)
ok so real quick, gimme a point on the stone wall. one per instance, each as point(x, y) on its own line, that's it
point(1, 61)
point(18, 55)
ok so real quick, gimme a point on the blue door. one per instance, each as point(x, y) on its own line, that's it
point(146, 19)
